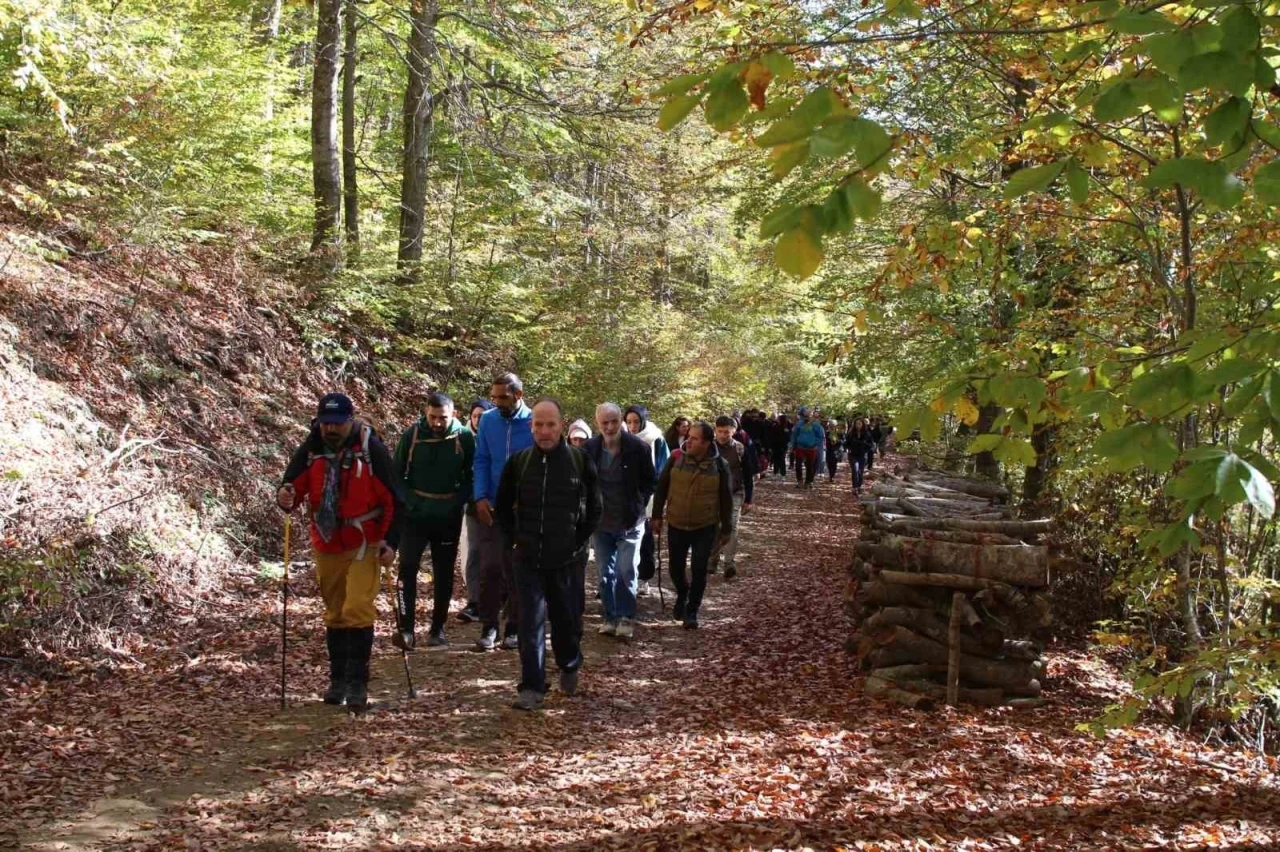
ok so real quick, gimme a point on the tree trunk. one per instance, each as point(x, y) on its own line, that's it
point(350, 196)
point(985, 463)
point(326, 175)
point(1020, 565)
point(1017, 529)
point(898, 645)
point(953, 651)
point(877, 688)
point(978, 488)
point(926, 623)
point(419, 112)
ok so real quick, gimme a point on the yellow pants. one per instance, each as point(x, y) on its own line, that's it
point(349, 587)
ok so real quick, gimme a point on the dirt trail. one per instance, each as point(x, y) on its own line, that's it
point(748, 733)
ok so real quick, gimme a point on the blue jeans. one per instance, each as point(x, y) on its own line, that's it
point(618, 558)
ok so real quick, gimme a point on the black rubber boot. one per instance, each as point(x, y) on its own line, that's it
point(358, 652)
point(336, 639)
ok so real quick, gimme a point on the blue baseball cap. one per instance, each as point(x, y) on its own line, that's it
point(335, 408)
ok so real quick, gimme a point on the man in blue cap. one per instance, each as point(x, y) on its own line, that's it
point(345, 474)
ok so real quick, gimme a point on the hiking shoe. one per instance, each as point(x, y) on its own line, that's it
point(405, 640)
point(469, 613)
point(607, 628)
point(691, 621)
point(626, 629)
point(642, 590)
point(713, 568)
point(337, 691)
point(569, 682)
point(730, 572)
point(436, 639)
point(528, 700)
point(488, 640)
point(510, 642)
point(336, 638)
point(677, 611)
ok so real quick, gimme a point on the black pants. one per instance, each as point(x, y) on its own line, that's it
point(580, 587)
point(442, 537)
point(679, 544)
point(648, 555)
point(496, 581)
point(832, 463)
point(780, 459)
point(546, 596)
point(806, 464)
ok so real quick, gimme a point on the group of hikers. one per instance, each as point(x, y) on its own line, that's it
point(525, 494)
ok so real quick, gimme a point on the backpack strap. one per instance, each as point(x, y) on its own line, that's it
point(413, 442)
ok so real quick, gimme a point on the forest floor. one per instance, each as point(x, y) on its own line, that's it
point(751, 733)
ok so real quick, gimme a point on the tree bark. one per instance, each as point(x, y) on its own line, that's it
point(953, 651)
point(1019, 565)
point(877, 688)
point(931, 625)
point(419, 114)
point(978, 488)
point(350, 192)
point(898, 645)
point(325, 172)
point(1017, 529)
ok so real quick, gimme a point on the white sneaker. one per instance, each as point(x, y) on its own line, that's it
point(642, 590)
point(608, 628)
point(625, 629)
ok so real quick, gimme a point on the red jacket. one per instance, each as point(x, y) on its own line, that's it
point(364, 487)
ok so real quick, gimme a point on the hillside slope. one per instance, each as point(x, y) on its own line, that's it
point(147, 401)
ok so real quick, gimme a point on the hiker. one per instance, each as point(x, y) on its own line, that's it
point(858, 442)
point(624, 464)
point(345, 474)
point(694, 496)
point(835, 450)
point(677, 432)
point(579, 433)
point(742, 472)
point(639, 424)
point(470, 540)
point(435, 458)
point(504, 431)
point(548, 504)
point(780, 435)
point(877, 438)
point(807, 438)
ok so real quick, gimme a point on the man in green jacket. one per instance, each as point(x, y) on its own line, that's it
point(434, 460)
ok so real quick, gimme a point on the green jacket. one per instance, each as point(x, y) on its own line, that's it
point(435, 472)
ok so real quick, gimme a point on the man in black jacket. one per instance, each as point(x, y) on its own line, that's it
point(548, 504)
point(625, 466)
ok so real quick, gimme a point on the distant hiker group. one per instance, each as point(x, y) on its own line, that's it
point(525, 494)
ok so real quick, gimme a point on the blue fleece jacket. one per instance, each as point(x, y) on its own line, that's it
point(808, 435)
point(498, 439)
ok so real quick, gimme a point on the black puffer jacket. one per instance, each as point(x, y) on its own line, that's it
point(549, 504)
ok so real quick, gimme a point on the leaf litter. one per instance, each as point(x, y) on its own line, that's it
point(751, 733)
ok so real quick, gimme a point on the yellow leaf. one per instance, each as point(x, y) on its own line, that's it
point(704, 5)
point(798, 253)
point(756, 78)
point(938, 406)
point(966, 411)
point(786, 157)
point(860, 322)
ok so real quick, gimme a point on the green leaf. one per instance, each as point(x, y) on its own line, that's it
point(816, 106)
point(1130, 22)
point(784, 158)
point(1161, 94)
point(837, 136)
point(1244, 395)
point(1088, 47)
point(1169, 50)
point(725, 105)
point(1118, 102)
point(1266, 183)
point(1211, 180)
point(1230, 118)
point(1077, 182)
point(782, 219)
point(837, 214)
point(1232, 370)
point(1033, 179)
point(1133, 446)
point(1016, 451)
point(1171, 539)
point(1237, 481)
point(676, 110)
point(873, 144)
point(780, 64)
point(983, 444)
point(1240, 30)
point(798, 252)
point(784, 131)
point(681, 84)
point(1218, 69)
point(863, 200)
point(1264, 75)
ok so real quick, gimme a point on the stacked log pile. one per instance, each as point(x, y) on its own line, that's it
point(945, 593)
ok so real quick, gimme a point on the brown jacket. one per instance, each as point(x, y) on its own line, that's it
point(695, 494)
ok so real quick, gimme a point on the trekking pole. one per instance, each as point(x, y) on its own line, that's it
point(404, 651)
point(657, 548)
point(284, 612)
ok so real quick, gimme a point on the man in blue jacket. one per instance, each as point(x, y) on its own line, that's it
point(624, 463)
point(504, 431)
point(806, 439)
